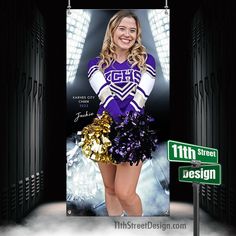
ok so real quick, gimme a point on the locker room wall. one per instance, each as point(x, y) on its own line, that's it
point(213, 119)
point(22, 118)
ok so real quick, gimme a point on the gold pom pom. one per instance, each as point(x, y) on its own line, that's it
point(95, 139)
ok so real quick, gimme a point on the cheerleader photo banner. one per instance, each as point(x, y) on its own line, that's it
point(117, 112)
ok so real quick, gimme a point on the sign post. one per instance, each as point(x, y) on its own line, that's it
point(196, 174)
point(196, 215)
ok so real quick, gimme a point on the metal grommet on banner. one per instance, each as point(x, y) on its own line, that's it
point(166, 7)
point(68, 8)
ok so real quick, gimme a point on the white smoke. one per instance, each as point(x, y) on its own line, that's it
point(50, 219)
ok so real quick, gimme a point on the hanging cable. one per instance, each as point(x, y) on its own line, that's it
point(166, 7)
point(68, 8)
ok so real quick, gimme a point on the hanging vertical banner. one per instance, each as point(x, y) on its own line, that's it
point(117, 112)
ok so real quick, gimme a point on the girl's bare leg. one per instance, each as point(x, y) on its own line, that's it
point(125, 188)
point(113, 205)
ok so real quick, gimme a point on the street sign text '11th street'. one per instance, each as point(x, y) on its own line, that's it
point(184, 152)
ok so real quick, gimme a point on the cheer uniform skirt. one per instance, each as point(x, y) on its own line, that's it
point(133, 140)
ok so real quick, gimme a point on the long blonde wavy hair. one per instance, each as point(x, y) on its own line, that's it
point(137, 53)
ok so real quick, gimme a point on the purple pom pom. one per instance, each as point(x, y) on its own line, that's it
point(134, 141)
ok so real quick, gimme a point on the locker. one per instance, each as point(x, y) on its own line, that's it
point(41, 128)
point(213, 114)
point(21, 124)
point(20, 64)
point(32, 114)
point(41, 98)
point(26, 115)
point(202, 82)
point(4, 193)
point(229, 67)
point(12, 103)
point(199, 73)
point(36, 107)
point(197, 80)
point(20, 158)
point(34, 141)
point(4, 205)
point(27, 165)
point(194, 81)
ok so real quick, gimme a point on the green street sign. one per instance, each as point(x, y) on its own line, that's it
point(185, 152)
point(206, 174)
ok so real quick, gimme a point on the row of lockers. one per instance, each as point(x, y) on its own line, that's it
point(212, 102)
point(22, 110)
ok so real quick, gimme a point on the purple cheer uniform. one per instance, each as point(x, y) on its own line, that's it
point(122, 88)
point(123, 91)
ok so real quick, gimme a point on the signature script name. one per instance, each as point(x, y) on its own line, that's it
point(81, 115)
